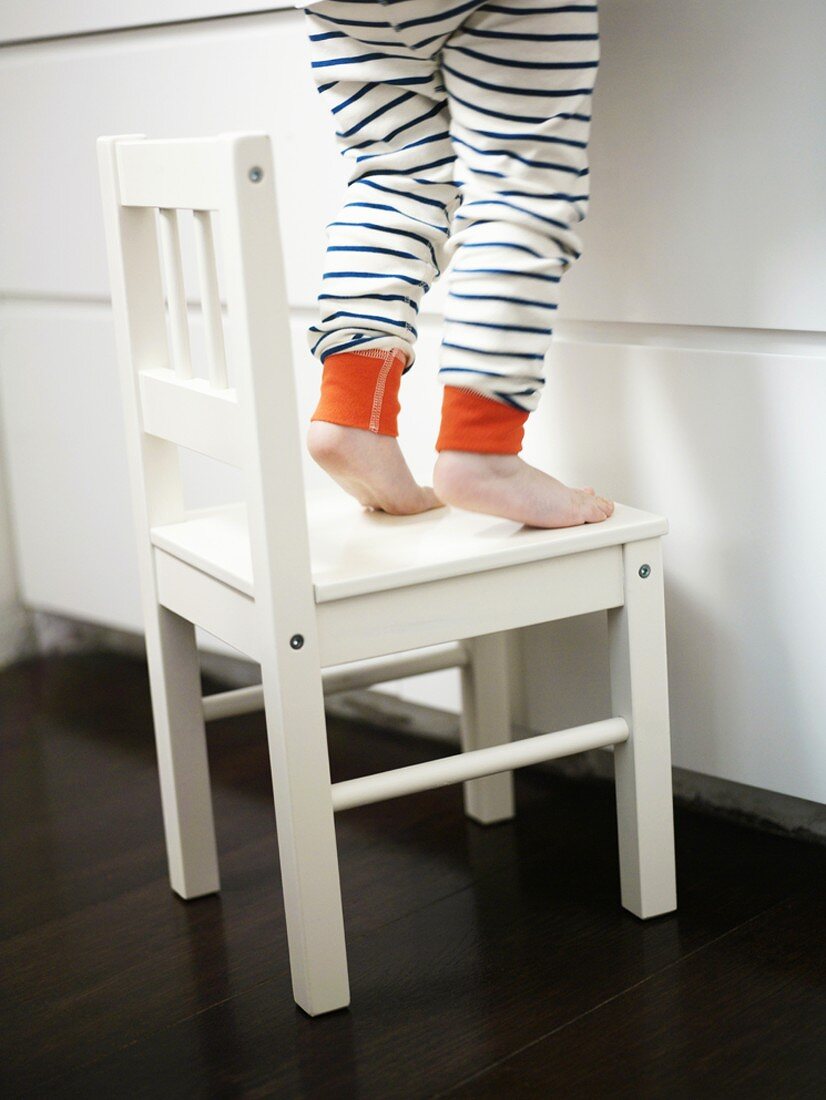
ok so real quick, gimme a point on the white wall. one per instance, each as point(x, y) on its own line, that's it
point(687, 375)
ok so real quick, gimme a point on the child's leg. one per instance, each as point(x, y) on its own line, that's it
point(385, 247)
point(519, 79)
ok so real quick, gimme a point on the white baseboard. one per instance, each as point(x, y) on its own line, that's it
point(60, 634)
point(17, 638)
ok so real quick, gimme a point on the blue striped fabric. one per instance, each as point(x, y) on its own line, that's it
point(467, 127)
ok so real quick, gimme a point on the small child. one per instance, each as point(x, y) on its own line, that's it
point(467, 126)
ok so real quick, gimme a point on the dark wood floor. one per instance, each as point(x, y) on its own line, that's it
point(485, 962)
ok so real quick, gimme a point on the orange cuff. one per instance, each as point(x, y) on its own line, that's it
point(471, 422)
point(360, 389)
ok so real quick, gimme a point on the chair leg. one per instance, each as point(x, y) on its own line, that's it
point(486, 721)
point(302, 791)
point(642, 765)
point(180, 739)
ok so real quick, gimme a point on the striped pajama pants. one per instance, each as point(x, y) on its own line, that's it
point(467, 125)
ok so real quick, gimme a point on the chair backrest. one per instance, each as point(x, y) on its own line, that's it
point(227, 182)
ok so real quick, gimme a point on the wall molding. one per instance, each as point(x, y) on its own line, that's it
point(799, 344)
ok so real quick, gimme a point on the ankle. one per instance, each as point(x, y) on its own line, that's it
point(457, 471)
point(484, 461)
point(328, 442)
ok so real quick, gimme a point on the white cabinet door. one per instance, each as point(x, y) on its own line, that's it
point(50, 18)
point(249, 73)
point(727, 445)
point(708, 171)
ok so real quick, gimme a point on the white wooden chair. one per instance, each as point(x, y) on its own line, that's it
point(342, 597)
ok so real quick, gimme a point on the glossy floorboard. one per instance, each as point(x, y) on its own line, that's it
point(485, 962)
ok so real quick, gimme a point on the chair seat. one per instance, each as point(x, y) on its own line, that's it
point(355, 551)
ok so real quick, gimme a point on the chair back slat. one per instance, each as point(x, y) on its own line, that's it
point(210, 299)
point(191, 413)
point(175, 293)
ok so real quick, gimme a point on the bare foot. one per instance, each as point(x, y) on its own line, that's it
point(505, 485)
point(371, 467)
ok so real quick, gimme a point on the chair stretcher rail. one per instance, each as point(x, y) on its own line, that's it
point(355, 674)
point(471, 765)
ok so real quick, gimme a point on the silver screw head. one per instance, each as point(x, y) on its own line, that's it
point(297, 641)
point(256, 174)
point(645, 571)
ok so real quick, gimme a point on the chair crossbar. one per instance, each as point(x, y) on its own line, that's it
point(178, 174)
point(191, 413)
point(378, 670)
point(478, 762)
point(354, 674)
